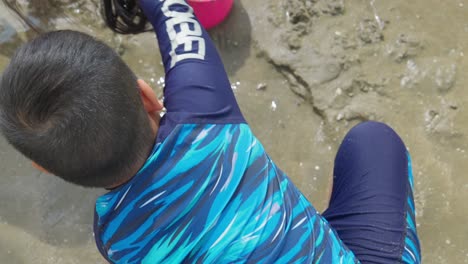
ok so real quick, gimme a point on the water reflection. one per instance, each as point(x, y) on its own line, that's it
point(9, 39)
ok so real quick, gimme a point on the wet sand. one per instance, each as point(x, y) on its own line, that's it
point(304, 73)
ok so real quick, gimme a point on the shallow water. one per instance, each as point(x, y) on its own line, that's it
point(322, 71)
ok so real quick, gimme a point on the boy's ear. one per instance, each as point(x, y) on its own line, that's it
point(149, 98)
point(39, 167)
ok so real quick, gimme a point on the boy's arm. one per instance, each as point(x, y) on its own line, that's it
point(197, 86)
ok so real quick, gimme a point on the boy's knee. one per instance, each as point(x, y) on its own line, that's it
point(370, 128)
point(376, 133)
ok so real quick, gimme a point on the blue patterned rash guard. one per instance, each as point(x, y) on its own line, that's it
point(208, 192)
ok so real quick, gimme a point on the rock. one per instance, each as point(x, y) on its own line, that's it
point(412, 76)
point(445, 77)
point(294, 40)
point(369, 31)
point(439, 73)
point(441, 122)
point(405, 47)
point(262, 86)
point(319, 72)
point(298, 13)
point(332, 7)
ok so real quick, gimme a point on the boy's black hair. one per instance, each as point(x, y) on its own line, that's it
point(69, 103)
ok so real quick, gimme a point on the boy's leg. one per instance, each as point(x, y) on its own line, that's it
point(371, 206)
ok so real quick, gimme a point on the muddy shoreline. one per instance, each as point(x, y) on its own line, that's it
point(304, 72)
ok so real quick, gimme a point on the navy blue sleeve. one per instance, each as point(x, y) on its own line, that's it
point(197, 87)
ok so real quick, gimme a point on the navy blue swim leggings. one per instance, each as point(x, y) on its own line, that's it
point(372, 206)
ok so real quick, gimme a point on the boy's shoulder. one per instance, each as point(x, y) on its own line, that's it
point(195, 162)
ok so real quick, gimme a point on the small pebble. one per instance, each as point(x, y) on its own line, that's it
point(339, 117)
point(261, 86)
point(273, 105)
point(235, 85)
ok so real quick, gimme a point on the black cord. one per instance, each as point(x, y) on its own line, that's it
point(124, 16)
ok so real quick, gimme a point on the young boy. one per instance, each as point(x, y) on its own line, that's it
point(195, 186)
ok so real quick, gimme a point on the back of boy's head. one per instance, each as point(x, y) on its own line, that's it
point(69, 103)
